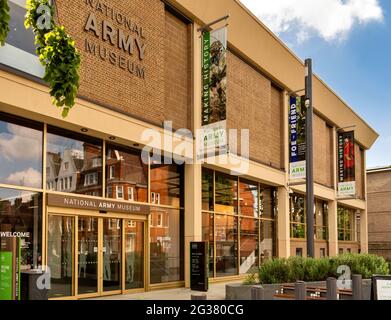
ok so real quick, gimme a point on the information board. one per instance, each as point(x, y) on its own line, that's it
point(199, 266)
point(381, 286)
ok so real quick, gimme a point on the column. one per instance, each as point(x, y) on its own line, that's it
point(333, 228)
point(193, 172)
point(283, 224)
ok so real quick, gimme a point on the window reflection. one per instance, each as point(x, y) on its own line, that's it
point(207, 235)
point(165, 245)
point(166, 184)
point(73, 164)
point(21, 211)
point(226, 229)
point(226, 193)
point(297, 216)
point(207, 190)
point(248, 199)
point(346, 218)
point(249, 251)
point(20, 152)
point(126, 175)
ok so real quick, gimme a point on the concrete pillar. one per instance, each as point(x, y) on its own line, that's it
point(300, 290)
point(332, 292)
point(283, 223)
point(193, 172)
point(333, 228)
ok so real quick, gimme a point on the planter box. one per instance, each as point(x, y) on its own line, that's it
point(243, 292)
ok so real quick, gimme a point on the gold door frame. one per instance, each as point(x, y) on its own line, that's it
point(74, 213)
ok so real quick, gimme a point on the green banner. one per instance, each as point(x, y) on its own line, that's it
point(206, 109)
point(6, 276)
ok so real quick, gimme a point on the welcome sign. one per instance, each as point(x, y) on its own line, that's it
point(297, 138)
point(346, 164)
point(214, 94)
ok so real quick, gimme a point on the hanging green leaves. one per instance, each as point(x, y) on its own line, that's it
point(4, 21)
point(57, 53)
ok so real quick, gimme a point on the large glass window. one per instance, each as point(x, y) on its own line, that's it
point(166, 245)
point(299, 220)
point(167, 184)
point(73, 163)
point(126, 173)
point(21, 215)
point(346, 223)
point(297, 216)
point(226, 229)
point(20, 152)
point(249, 245)
point(19, 50)
point(240, 228)
point(226, 193)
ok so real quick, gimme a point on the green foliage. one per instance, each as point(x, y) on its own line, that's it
point(251, 279)
point(4, 21)
point(311, 270)
point(57, 53)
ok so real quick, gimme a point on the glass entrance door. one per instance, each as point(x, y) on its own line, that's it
point(112, 254)
point(134, 254)
point(88, 255)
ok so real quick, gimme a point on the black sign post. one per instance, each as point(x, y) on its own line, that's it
point(199, 266)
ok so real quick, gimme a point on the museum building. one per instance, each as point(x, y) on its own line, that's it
point(102, 219)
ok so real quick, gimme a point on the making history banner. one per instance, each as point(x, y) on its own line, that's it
point(297, 138)
point(213, 137)
point(346, 164)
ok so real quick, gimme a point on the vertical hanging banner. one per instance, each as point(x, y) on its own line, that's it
point(213, 134)
point(346, 164)
point(297, 138)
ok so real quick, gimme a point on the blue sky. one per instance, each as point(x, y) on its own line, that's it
point(353, 58)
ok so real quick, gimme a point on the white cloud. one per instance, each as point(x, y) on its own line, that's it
point(20, 143)
point(328, 19)
point(30, 177)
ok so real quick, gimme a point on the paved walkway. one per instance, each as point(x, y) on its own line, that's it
point(216, 292)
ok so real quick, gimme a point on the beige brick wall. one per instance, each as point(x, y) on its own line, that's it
point(167, 55)
point(177, 72)
point(323, 157)
point(255, 105)
point(379, 213)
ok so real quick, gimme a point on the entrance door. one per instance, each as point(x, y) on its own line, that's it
point(91, 256)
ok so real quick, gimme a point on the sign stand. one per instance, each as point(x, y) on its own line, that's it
point(199, 266)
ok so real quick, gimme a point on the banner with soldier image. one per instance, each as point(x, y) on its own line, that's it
point(297, 138)
point(346, 164)
point(213, 138)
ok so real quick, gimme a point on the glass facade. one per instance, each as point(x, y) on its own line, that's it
point(346, 224)
point(299, 220)
point(238, 222)
point(20, 152)
point(73, 163)
point(126, 174)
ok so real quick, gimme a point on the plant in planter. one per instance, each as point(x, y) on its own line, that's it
point(251, 280)
point(4, 21)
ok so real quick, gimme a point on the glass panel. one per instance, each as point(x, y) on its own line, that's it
point(207, 189)
point(88, 255)
point(268, 202)
point(20, 153)
point(207, 235)
point(226, 193)
point(166, 184)
point(249, 199)
point(165, 244)
point(249, 239)
point(21, 212)
point(134, 254)
point(125, 168)
point(18, 36)
point(268, 241)
point(226, 233)
point(297, 216)
point(112, 252)
point(60, 255)
point(74, 164)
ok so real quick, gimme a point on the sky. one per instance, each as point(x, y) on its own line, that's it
point(350, 44)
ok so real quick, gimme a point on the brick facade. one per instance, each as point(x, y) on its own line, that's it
point(254, 104)
point(379, 213)
point(157, 89)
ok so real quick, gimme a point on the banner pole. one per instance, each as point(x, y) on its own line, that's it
point(310, 200)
